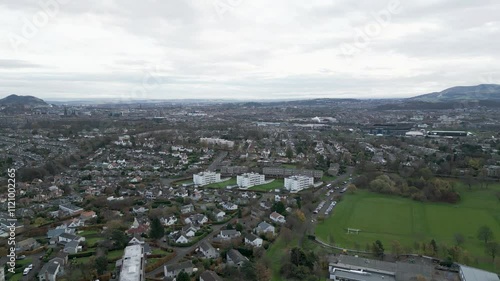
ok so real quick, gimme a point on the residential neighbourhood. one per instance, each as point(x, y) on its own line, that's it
point(133, 202)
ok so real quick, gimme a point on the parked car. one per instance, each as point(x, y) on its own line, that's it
point(22, 257)
point(26, 271)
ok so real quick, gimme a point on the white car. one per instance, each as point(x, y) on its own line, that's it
point(30, 266)
point(26, 271)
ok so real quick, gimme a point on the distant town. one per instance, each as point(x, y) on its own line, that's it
point(325, 189)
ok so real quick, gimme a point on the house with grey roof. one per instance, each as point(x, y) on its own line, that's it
point(51, 270)
point(235, 258)
point(208, 250)
point(264, 227)
point(229, 234)
point(72, 247)
point(172, 270)
point(209, 275)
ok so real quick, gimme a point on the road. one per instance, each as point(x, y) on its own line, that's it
point(183, 251)
point(37, 265)
point(218, 159)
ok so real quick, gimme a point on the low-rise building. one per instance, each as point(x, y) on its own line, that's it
point(253, 240)
point(133, 264)
point(51, 270)
point(208, 250)
point(276, 217)
point(229, 234)
point(235, 258)
point(172, 270)
point(209, 275)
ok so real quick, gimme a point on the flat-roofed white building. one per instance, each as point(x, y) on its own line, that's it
point(250, 179)
point(297, 183)
point(217, 141)
point(133, 264)
point(205, 178)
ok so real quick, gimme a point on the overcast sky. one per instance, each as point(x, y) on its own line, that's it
point(246, 49)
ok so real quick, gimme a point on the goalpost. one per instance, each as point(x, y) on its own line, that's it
point(353, 230)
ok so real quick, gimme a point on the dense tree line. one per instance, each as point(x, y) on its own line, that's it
point(418, 188)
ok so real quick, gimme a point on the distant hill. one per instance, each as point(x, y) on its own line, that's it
point(15, 100)
point(463, 93)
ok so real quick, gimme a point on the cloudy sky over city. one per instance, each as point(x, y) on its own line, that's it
point(246, 49)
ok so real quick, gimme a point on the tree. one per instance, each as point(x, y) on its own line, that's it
point(397, 249)
point(459, 239)
point(485, 234)
point(351, 188)
point(492, 249)
point(263, 272)
point(289, 153)
point(279, 207)
point(239, 227)
point(157, 231)
point(434, 246)
point(378, 249)
point(100, 264)
point(120, 239)
point(183, 276)
point(248, 270)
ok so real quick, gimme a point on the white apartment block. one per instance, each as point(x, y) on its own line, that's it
point(250, 179)
point(297, 183)
point(205, 178)
point(215, 141)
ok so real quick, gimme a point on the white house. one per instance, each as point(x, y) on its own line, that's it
point(253, 240)
point(229, 234)
point(298, 183)
point(208, 250)
point(182, 240)
point(170, 221)
point(276, 217)
point(229, 206)
point(264, 227)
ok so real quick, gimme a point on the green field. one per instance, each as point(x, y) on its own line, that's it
point(222, 184)
point(275, 184)
point(389, 218)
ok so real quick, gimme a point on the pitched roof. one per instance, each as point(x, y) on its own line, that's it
point(205, 246)
point(210, 276)
point(251, 237)
point(236, 256)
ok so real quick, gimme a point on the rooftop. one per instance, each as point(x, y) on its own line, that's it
point(132, 264)
point(474, 274)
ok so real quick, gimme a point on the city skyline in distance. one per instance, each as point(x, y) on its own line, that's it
point(245, 50)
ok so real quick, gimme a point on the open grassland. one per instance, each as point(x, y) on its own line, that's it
point(222, 184)
point(275, 184)
point(388, 218)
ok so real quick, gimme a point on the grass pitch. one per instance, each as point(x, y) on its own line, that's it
point(389, 218)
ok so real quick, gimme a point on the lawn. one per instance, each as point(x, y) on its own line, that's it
point(115, 255)
point(222, 184)
point(276, 252)
point(389, 218)
point(275, 184)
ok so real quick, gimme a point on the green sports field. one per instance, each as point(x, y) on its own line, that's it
point(390, 218)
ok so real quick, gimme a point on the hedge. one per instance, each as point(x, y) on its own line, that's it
point(160, 262)
point(81, 255)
